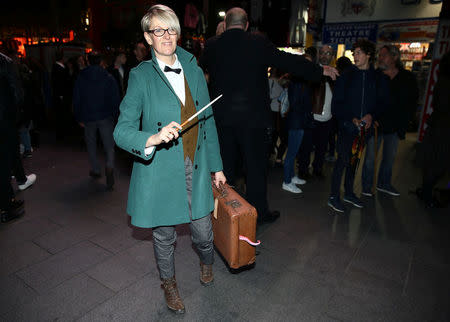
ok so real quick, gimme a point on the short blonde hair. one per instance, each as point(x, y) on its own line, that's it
point(162, 13)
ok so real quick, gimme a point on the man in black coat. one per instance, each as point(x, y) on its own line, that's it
point(61, 90)
point(11, 95)
point(237, 64)
point(392, 123)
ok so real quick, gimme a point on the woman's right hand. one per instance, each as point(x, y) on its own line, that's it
point(167, 134)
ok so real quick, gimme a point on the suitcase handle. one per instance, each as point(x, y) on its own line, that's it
point(249, 241)
point(222, 189)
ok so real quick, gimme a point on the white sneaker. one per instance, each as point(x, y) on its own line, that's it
point(31, 179)
point(297, 180)
point(291, 187)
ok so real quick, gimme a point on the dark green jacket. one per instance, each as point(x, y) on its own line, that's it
point(157, 194)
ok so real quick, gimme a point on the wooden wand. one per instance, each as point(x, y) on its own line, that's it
point(200, 111)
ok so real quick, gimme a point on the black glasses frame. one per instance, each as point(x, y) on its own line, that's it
point(158, 30)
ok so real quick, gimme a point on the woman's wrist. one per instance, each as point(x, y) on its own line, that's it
point(151, 141)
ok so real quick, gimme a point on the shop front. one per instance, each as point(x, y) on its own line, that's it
point(412, 25)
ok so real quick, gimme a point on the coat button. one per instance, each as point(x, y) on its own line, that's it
point(196, 103)
point(196, 166)
point(133, 150)
point(159, 123)
point(139, 152)
point(198, 148)
point(159, 129)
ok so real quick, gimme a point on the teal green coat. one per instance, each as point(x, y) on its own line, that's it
point(157, 194)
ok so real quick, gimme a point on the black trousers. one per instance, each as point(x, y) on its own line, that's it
point(317, 140)
point(17, 170)
point(332, 136)
point(252, 147)
point(344, 150)
point(436, 160)
point(8, 150)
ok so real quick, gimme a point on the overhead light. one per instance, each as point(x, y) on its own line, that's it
point(221, 13)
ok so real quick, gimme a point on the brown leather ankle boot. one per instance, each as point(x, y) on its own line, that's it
point(173, 299)
point(206, 274)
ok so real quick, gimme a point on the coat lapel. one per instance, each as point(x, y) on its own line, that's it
point(155, 65)
point(186, 60)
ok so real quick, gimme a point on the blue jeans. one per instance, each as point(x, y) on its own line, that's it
point(24, 134)
point(385, 172)
point(295, 137)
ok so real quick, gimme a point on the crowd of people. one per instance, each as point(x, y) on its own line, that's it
point(306, 107)
point(364, 108)
point(79, 96)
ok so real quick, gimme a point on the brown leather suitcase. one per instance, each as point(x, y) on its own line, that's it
point(234, 222)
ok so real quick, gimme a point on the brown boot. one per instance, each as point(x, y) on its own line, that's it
point(173, 299)
point(206, 274)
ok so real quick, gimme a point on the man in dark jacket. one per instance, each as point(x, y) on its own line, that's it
point(393, 122)
point(61, 91)
point(96, 101)
point(317, 135)
point(11, 95)
point(436, 141)
point(120, 73)
point(359, 96)
point(237, 64)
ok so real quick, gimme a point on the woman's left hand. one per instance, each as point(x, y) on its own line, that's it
point(219, 178)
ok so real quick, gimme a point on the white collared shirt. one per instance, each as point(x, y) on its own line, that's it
point(326, 111)
point(177, 83)
point(175, 80)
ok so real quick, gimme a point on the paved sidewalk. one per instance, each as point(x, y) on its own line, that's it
point(74, 256)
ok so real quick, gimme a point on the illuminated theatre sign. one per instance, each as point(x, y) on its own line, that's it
point(348, 33)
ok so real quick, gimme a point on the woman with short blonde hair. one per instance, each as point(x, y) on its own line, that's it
point(163, 14)
point(171, 179)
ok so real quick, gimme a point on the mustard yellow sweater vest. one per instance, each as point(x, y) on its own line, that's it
point(190, 132)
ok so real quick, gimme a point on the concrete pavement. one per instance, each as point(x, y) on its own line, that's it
point(74, 256)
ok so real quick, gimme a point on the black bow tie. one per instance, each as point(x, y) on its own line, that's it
point(175, 70)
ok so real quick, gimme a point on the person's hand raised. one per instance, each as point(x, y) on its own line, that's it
point(330, 71)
